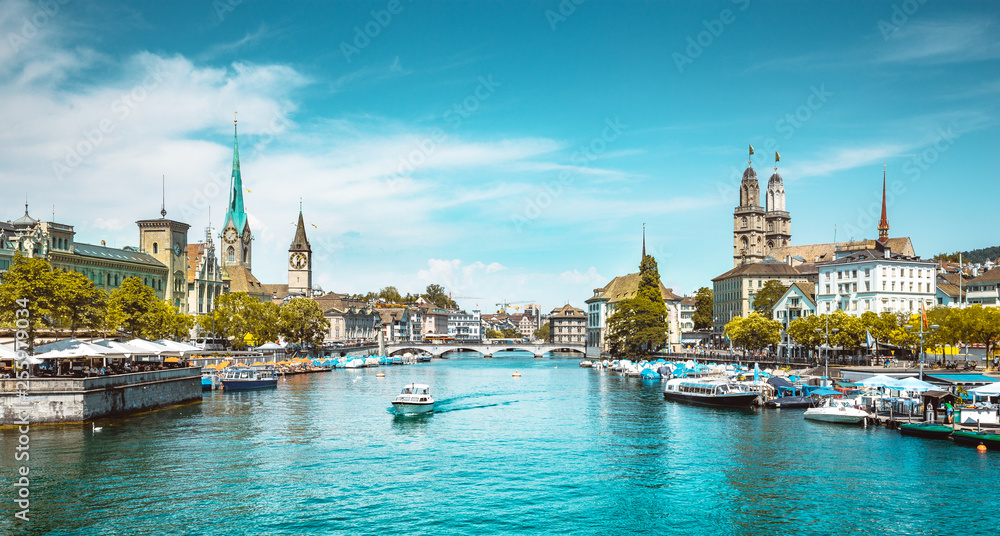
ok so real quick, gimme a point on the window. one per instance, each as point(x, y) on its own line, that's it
point(245, 255)
point(883, 271)
point(854, 273)
point(911, 272)
point(743, 225)
point(231, 253)
point(911, 286)
point(868, 286)
point(868, 272)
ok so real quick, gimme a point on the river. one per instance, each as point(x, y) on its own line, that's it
point(559, 450)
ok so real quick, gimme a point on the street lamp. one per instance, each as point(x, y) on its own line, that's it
point(934, 327)
point(826, 362)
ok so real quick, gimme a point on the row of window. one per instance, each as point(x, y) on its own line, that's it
point(843, 288)
point(918, 273)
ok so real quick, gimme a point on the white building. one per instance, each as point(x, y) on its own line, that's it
point(985, 289)
point(876, 280)
point(465, 327)
point(602, 304)
point(798, 301)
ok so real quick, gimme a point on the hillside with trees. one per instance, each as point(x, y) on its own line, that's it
point(976, 255)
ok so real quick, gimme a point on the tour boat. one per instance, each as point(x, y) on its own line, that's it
point(718, 392)
point(239, 379)
point(415, 398)
point(836, 410)
point(970, 437)
point(926, 429)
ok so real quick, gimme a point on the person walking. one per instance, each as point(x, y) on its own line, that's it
point(949, 410)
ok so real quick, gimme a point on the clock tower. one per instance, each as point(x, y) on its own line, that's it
point(166, 241)
point(300, 262)
point(236, 235)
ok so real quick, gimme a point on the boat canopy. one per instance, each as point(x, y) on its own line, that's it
point(781, 384)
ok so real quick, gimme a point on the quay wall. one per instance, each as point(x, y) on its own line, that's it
point(61, 400)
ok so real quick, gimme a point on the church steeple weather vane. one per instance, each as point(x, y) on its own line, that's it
point(749, 157)
point(883, 224)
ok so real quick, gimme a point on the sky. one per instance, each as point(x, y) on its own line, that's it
point(510, 151)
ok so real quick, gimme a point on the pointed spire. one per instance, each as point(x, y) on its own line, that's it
point(300, 242)
point(883, 224)
point(163, 202)
point(644, 241)
point(235, 211)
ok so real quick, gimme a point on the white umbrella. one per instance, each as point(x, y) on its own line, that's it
point(82, 348)
point(121, 349)
point(181, 347)
point(879, 380)
point(992, 389)
point(913, 384)
point(152, 348)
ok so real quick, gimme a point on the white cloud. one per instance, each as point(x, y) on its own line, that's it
point(111, 224)
point(575, 277)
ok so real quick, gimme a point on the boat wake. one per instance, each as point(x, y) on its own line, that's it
point(444, 406)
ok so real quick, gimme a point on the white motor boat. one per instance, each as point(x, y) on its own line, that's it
point(834, 410)
point(415, 398)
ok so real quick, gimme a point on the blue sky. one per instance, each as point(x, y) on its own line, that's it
point(507, 150)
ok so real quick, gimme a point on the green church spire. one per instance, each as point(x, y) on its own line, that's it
point(236, 212)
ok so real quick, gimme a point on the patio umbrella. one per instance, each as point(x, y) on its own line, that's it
point(879, 380)
point(992, 389)
point(914, 384)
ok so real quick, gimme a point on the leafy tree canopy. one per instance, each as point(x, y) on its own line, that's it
point(754, 332)
point(702, 316)
point(767, 296)
point(639, 324)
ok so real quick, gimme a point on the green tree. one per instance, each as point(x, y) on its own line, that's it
point(639, 324)
point(302, 322)
point(494, 334)
point(78, 301)
point(803, 331)
point(702, 316)
point(390, 295)
point(753, 332)
point(850, 333)
point(435, 293)
point(980, 325)
point(543, 332)
point(28, 285)
point(510, 333)
point(767, 296)
point(237, 315)
point(136, 310)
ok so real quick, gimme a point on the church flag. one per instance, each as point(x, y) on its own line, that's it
point(751, 150)
point(777, 157)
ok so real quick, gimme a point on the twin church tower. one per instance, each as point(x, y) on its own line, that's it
point(237, 245)
point(757, 230)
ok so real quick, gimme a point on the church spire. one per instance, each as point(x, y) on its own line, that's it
point(235, 211)
point(644, 241)
point(300, 242)
point(883, 224)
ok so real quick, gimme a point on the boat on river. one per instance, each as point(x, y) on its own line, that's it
point(792, 402)
point(971, 437)
point(836, 410)
point(717, 392)
point(927, 430)
point(415, 398)
point(245, 378)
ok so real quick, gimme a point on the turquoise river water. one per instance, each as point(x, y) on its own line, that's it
point(560, 450)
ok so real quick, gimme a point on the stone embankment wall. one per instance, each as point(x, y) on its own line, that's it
point(54, 400)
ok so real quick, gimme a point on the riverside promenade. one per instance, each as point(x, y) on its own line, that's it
point(69, 400)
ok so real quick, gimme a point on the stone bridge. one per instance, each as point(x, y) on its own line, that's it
point(488, 350)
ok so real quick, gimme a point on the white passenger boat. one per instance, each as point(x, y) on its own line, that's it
point(836, 410)
point(415, 398)
point(718, 392)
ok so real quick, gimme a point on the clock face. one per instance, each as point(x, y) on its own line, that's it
point(229, 235)
point(297, 261)
point(246, 236)
point(177, 248)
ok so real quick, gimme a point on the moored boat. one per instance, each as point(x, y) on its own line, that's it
point(970, 437)
point(210, 380)
point(928, 430)
point(792, 402)
point(717, 392)
point(836, 410)
point(241, 379)
point(415, 398)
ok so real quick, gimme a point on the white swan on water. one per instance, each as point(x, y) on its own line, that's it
point(95, 428)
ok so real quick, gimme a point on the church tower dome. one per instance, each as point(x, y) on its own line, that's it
point(748, 221)
point(778, 232)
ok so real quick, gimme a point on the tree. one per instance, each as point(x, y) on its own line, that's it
point(390, 295)
point(435, 293)
point(754, 332)
point(78, 301)
point(542, 333)
point(767, 296)
point(639, 324)
point(28, 285)
point(237, 315)
point(135, 309)
point(510, 333)
point(302, 322)
point(702, 316)
point(980, 325)
point(803, 331)
point(494, 334)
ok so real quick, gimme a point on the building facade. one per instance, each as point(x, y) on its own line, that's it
point(876, 280)
point(985, 289)
point(204, 276)
point(567, 325)
point(236, 238)
point(300, 262)
point(735, 290)
point(352, 324)
point(465, 327)
point(601, 305)
point(166, 241)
